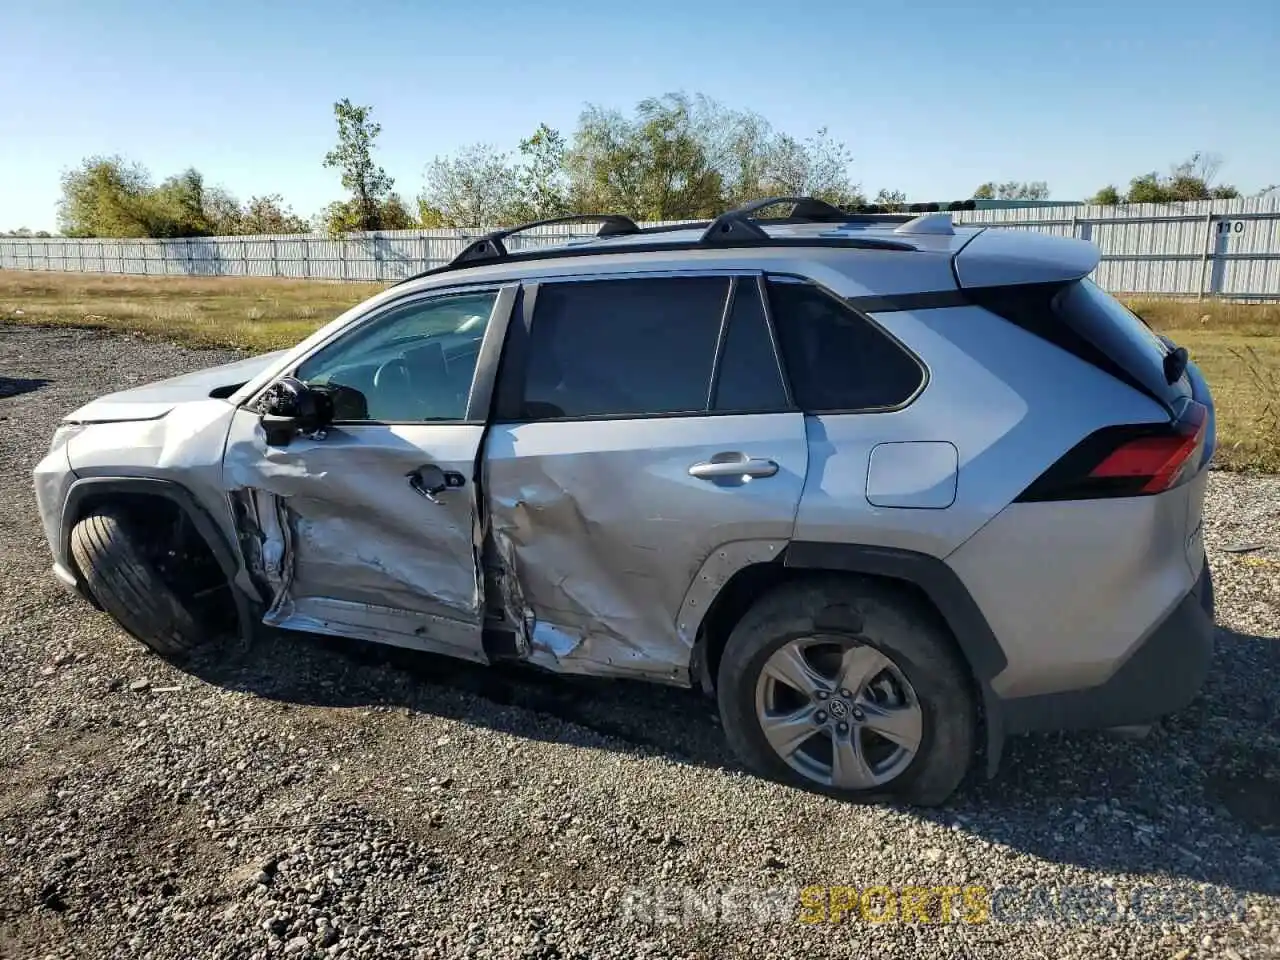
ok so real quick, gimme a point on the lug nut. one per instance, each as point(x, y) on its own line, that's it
point(846, 694)
point(857, 714)
point(843, 728)
point(822, 694)
point(821, 717)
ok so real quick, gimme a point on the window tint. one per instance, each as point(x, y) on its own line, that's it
point(623, 347)
point(835, 359)
point(749, 378)
point(415, 363)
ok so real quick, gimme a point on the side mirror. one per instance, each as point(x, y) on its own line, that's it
point(290, 407)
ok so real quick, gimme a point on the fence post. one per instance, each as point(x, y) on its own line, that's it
point(1204, 254)
point(306, 257)
point(342, 255)
point(244, 256)
point(275, 258)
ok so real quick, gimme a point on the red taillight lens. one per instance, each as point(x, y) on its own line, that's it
point(1126, 461)
point(1158, 460)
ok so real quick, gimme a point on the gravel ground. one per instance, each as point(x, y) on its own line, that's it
point(308, 798)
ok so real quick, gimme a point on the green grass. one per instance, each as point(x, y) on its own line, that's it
point(1237, 345)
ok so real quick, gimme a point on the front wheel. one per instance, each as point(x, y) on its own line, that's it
point(109, 547)
point(850, 687)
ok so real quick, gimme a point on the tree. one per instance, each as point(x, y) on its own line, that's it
point(177, 207)
point(681, 157)
point(1108, 196)
point(817, 167)
point(892, 200)
point(1192, 179)
point(348, 216)
point(541, 187)
point(475, 188)
point(1012, 190)
point(353, 156)
point(268, 215)
point(105, 197)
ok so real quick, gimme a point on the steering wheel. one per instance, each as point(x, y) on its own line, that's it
point(393, 386)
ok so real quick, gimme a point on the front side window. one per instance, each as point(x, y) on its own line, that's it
point(623, 348)
point(413, 364)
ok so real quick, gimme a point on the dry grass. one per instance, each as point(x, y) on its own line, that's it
point(1237, 345)
point(252, 314)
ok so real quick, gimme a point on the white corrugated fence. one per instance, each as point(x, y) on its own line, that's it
point(1221, 248)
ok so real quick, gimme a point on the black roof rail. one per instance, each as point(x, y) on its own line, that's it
point(734, 228)
point(491, 247)
point(736, 225)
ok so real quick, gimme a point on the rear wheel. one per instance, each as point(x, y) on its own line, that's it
point(850, 687)
point(121, 558)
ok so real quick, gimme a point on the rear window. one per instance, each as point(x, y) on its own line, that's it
point(1084, 320)
point(1120, 334)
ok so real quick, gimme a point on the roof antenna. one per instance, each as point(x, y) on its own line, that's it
point(937, 224)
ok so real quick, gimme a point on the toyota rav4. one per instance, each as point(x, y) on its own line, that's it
point(890, 489)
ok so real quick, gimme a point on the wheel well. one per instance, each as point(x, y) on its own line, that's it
point(751, 582)
point(185, 558)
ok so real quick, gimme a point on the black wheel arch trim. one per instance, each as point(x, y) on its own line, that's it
point(943, 587)
point(94, 487)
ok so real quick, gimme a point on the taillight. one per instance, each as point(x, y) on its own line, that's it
point(1126, 461)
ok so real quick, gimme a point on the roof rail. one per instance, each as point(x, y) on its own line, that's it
point(491, 247)
point(734, 228)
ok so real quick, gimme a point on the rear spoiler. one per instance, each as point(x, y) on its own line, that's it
point(998, 257)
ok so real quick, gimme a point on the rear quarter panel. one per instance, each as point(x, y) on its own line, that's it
point(1009, 402)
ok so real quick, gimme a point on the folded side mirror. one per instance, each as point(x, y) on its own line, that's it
point(290, 407)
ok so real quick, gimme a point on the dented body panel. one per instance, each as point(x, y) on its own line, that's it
point(347, 544)
point(609, 534)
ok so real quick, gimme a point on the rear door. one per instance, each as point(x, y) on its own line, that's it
point(645, 447)
point(371, 530)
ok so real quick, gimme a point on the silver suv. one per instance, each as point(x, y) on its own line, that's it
point(888, 488)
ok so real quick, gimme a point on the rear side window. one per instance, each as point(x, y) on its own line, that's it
point(621, 348)
point(836, 359)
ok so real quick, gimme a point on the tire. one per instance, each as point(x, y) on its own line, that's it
point(104, 545)
point(845, 614)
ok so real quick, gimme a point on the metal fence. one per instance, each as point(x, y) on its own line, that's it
point(1219, 248)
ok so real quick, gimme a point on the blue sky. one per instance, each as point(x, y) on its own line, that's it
point(931, 97)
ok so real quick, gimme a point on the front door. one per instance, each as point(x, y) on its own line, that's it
point(644, 449)
point(371, 529)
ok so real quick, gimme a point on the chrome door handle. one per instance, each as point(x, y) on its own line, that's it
point(733, 466)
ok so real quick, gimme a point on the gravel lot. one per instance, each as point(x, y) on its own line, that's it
point(312, 798)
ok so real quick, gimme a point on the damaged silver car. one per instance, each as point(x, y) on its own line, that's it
point(889, 488)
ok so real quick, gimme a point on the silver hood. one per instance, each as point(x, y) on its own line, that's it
point(154, 400)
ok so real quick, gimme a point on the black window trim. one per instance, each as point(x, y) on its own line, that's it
point(845, 304)
point(509, 393)
point(482, 378)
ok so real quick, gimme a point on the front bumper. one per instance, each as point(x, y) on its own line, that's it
point(1163, 675)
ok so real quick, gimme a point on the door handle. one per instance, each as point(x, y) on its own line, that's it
point(430, 480)
point(733, 466)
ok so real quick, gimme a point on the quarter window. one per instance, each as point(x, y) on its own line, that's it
point(749, 379)
point(413, 364)
point(836, 359)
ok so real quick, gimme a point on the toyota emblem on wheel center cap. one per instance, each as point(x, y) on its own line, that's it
point(838, 708)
